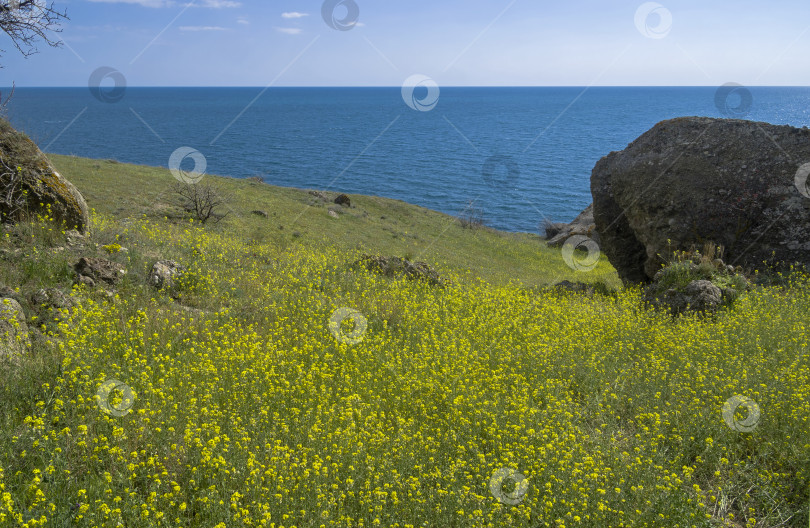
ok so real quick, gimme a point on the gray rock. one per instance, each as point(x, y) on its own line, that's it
point(698, 296)
point(52, 298)
point(9, 293)
point(344, 200)
point(696, 179)
point(35, 186)
point(14, 337)
point(74, 238)
point(574, 287)
point(87, 281)
point(99, 270)
point(52, 306)
point(164, 274)
point(392, 266)
point(320, 195)
point(583, 224)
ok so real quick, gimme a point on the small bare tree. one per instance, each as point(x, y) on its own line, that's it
point(201, 200)
point(30, 21)
point(472, 216)
point(12, 201)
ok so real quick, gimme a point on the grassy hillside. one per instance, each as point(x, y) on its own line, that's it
point(297, 218)
point(278, 385)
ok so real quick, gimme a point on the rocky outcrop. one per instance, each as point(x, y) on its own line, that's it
point(14, 338)
point(691, 180)
point(31, 186)
point(392, 266)
point(583, 224)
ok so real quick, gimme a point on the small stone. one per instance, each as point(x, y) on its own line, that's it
point(100, 269)
point(164, 273)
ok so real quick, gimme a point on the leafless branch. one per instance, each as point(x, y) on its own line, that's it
point(30, 21)
point(200, 199)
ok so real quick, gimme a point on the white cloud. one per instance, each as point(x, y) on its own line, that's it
point(202, 28)
point(294, 14)
point(216, 4)
point(289, 31)
point(243, 20)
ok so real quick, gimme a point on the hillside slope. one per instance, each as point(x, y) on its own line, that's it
point(372, 224)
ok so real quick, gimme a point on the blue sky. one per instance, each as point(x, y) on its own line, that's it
point(455, 42)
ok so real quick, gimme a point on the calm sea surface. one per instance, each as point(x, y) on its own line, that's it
point(523, 153)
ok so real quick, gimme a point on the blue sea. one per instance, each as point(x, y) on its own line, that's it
point(523, 154)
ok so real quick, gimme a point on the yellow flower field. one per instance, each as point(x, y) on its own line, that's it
point(472, 405)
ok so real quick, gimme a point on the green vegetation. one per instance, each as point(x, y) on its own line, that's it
point(371, 225)
point(277, 384)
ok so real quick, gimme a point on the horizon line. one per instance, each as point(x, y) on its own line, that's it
point(441, 86)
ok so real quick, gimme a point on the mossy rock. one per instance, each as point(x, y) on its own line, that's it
point(31, 187)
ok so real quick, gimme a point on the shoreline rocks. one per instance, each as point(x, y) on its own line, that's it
point(583, 224)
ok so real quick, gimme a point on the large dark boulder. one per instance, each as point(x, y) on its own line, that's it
point(31, 186)
point(693, 180)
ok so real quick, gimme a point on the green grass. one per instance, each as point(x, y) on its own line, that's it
point(372, 224)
